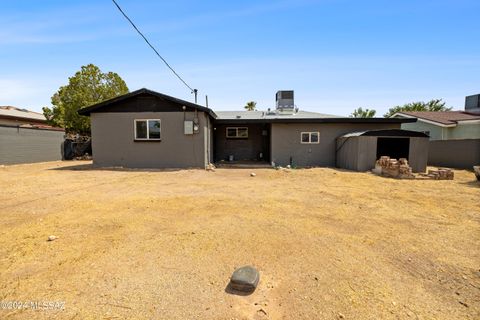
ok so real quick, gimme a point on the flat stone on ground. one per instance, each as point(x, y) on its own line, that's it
point(245, 279)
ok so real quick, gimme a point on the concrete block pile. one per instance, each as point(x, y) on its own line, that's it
point(393, 168)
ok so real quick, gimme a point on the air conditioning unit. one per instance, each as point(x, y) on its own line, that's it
point(472, 103)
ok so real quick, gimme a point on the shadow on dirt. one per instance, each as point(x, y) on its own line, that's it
point(91, 167)
point(472, 184)
point(230, 290)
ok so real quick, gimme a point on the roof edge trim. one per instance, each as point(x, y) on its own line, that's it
point(86, 111)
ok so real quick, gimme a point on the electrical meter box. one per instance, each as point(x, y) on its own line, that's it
point(188, 127)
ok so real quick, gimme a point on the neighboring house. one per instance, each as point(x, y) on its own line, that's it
point(15, 116)
point(25, 137)
point(454, 135)
point(444, 125)
point(147, 129)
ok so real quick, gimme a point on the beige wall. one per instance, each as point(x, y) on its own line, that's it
point(285, 142)
point(113, 141)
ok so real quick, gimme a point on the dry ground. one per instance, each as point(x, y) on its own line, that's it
point(162, 244)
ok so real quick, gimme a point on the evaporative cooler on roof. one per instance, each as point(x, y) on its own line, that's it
point(285, 102)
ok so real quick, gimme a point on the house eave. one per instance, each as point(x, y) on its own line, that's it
point(22, 119)
point(86, 111)
point(468, 121)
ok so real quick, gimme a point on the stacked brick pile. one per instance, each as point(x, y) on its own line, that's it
point(400, 169)
point(440, 174)
point(394, 168)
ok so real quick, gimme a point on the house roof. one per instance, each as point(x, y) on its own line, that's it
point(441, 117)
point(239, 116)
point(251, 115)
point(99, 106)
point(226, 117)
point(17, 113)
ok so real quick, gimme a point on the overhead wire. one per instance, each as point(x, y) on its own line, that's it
point(153, 48)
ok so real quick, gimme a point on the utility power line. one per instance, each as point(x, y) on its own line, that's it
point(155, 50)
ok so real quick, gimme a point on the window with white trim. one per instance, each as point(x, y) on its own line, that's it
point(310, 137)
point(147, 129)
point(237, 132)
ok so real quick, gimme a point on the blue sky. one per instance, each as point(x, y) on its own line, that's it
point(336, 54)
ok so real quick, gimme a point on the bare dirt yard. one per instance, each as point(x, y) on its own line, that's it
point(329, 244)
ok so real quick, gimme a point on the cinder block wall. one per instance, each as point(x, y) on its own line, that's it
point(454, 153)
point(28, 145)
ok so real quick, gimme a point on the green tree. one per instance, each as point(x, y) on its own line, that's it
point(251, 106)
point(87, 87)
point(432, 105)
point(360, 113)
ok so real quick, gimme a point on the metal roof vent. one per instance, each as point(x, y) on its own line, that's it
point(270, 111)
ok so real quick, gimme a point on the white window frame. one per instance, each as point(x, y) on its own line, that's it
point(148, 131)
point(309, 137)
point(236, 133)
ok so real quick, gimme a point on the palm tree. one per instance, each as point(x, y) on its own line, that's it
point(251, 106)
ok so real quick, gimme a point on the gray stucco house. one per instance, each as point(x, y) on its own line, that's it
point(147, 129)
